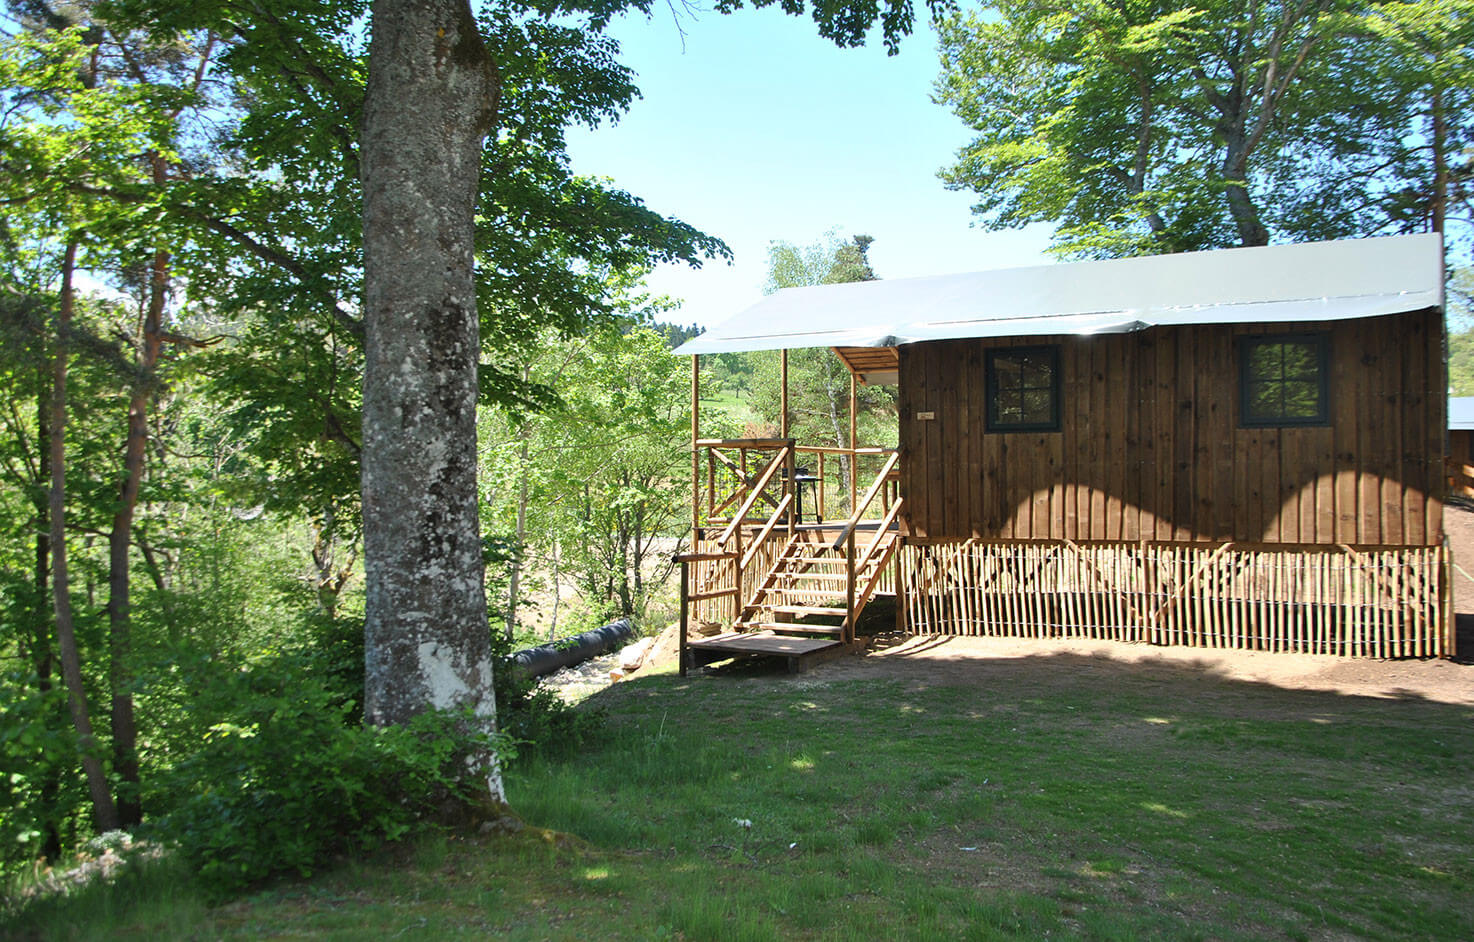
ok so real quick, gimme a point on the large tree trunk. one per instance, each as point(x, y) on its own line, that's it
point(432, 94)
point(104, 812)
point(120, 541)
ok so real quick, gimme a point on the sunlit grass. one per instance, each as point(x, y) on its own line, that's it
point(769, 807)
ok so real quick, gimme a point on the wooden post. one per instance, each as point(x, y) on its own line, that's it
point(854, 445)
point(685, 613)
point(901, 597)
point(738, 597)
point(1449, 645)
point(695, 453)
point(783, 372)
point(849, 566)
point(819, 490)
point(790, 486)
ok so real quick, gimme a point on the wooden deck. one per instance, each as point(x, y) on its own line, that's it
point(801, 653)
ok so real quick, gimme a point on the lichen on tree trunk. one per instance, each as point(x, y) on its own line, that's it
point(432, 94)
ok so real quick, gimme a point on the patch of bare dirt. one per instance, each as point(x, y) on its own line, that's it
point(1034, 662)
point(1027, 661)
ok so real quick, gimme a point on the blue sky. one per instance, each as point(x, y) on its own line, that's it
point(759, 130)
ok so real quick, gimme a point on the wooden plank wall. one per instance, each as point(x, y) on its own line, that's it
point(1151, 449)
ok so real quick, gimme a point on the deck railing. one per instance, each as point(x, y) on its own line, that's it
point(846, 540)
point(748, 511)
point(1384, 601)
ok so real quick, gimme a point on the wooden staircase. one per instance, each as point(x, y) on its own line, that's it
point(806, 593)
point(809, 603)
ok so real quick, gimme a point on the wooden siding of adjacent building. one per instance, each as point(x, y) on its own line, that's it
point(1151, 449)
point(1461, 462)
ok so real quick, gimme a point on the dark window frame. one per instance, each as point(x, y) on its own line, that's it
point(1248, 418)
point(992, 422)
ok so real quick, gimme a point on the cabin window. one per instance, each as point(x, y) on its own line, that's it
point(1023, 389)
point(1282, 380)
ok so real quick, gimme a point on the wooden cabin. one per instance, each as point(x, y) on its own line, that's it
point(1461, 447)
point(1236, 449)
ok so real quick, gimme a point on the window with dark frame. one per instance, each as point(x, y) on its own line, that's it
point(1283, 380)
point(1023, 389)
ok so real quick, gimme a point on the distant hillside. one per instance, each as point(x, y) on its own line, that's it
point(675, 334)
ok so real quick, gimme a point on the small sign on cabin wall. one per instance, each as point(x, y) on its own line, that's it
point(925, 416)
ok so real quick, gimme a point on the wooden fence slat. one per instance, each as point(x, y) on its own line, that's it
point(1342, 600)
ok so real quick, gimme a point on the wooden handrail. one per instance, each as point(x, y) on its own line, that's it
point(757, 541)
point(780, 459)
point(885, 524)
point(836, 450)
point(742, 476)
point(713, 594)
point(741, 442)
point(863, 505)
point(701, 557)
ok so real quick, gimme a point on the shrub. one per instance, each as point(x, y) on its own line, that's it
point(535, 717)
point(294, 781)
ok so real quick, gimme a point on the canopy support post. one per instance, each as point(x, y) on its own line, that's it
point(783, 371)
point(854, 442)
point(695, 453)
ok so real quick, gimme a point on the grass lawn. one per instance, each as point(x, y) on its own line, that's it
point(738, 409)
point(1053, 796)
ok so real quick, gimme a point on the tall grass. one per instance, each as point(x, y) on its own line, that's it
point(1051, 797)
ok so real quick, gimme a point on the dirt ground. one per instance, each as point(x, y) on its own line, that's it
point(964, 660)
point(1032, 663)
point(948, 660)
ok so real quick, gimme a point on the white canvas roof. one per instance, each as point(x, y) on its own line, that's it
point(1313, 281)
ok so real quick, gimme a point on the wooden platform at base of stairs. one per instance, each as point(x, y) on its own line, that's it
point(801, 653)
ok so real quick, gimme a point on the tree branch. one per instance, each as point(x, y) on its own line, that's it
point(262, 251)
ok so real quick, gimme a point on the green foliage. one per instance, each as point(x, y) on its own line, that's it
point(1139, 128)
point(1461, 364)
point(818, 381)
point(38, 789)
point(601, 468)
point(290, 779)
point(848, 23)
point(224, 139)
point(535, 718)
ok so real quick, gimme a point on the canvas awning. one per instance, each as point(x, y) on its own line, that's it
point(1314, 281)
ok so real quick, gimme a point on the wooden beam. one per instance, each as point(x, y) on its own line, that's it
point(685, 608)
point(854, 443)
point(783, 370)
point(695, 453)
point(762, 535)
point(779, 460)
point(849, 526)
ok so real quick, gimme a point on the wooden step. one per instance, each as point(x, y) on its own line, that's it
point(801, 653)
point(814, 576)
point(820, 592)
point(804, 610)
point(792, 628)
point(796, 595)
